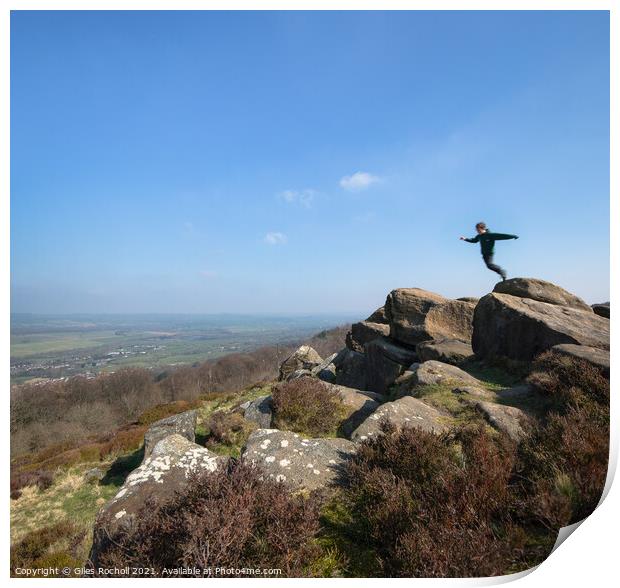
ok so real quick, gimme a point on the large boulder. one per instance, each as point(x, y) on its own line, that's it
point(351, 369)
point(602, 309)
point(446, 350)
point(183, 424)
point(597, 357)
point(416, 315)
point(404, 412)
point(520, 328)
point(357, 404)
point(376, 325)
point(364, 332)
point(168, 469)
point(385, 361)
point(259, 411)
point(542, 291)
point(300, 462)
point(303, 358)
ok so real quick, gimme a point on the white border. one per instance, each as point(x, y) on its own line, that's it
point(589, 556)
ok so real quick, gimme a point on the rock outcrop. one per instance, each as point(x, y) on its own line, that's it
point(303, 358)
point(521, 328)
point(300, 462)
point(417, 315)
point(404, 412)
point(450, 351)
point(536, 289)
point(183, 424)
point(168, 468)
point(385, 361)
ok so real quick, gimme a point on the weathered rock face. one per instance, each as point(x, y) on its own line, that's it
point(404, 412)
point(437, 372)
point(597, 357)
point(446, 350)
point(168, 468)
point(601, 309)
point(358, 405)
point(326, 370)
point(304, 358)
point(542, 291)
point(385, 361)
point(351, 369)
point(183, 424)
point(416, 315)
point(364, 332)
point(376, 325)
point(520, 328)
point(259, 411)
point(300, 462)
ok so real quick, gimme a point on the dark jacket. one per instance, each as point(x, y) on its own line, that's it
point(487, 241)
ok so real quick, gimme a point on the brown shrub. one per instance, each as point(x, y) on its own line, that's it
point(42, 479)
point(223, 519)
point(162, 411)
point(430, 505)
point(124, 440)
point(307, 406)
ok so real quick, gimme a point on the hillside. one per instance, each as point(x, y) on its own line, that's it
point(439, 438)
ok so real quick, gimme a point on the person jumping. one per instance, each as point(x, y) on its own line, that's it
point(487, 245)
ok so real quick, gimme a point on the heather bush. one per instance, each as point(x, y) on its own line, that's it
point(306, 406)
point(563, 465)
point(433, 506)
point(229, 518)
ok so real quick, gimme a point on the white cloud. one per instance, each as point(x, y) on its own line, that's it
point(275, 238)
point(358, 181)
point(208, 274)
point(303, 197)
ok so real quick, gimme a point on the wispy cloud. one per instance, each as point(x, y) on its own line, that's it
point(208, 274)
point(303, 197)
point(358, 181)
point(275, 238)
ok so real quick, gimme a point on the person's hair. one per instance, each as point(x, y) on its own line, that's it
point(481, 225)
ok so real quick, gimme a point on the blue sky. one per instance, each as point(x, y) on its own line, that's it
point(302, 162)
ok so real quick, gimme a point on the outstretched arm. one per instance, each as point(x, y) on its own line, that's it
point(473, 240)
point(501, 236)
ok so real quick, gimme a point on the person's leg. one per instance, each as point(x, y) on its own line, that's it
point(488, 260)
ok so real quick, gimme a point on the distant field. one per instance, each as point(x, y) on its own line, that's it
point(56, 346)
point(47, 343)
